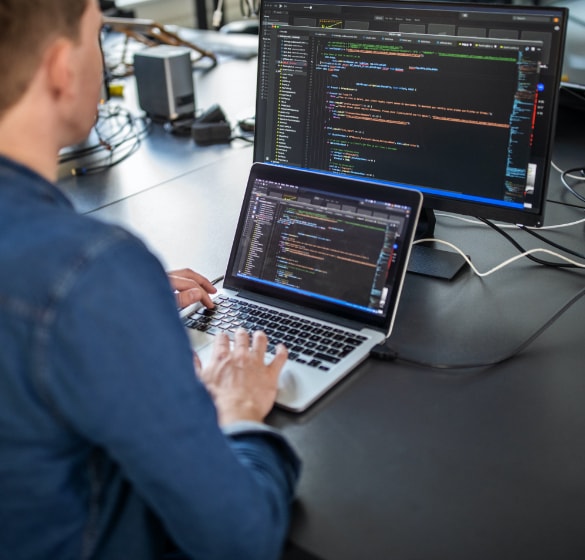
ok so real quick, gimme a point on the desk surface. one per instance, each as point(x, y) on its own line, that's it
point(403, 461)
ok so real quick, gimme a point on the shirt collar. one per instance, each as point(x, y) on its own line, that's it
point(12, 172)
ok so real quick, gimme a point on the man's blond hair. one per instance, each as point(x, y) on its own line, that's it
point(26, 29)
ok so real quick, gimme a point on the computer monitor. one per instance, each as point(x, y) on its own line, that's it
point(457, 100)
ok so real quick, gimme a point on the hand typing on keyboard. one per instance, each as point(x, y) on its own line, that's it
point(309, 342)
point(191, 287)
point(241, 384)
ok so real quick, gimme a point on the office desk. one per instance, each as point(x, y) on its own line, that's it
point(403, 461)
point(407, 462)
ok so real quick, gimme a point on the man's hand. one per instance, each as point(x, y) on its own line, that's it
point(242, 386)
point(191, 287)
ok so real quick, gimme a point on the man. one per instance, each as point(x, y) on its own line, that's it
point(111, 445)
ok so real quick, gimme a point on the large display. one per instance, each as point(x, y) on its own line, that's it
point(455, 100)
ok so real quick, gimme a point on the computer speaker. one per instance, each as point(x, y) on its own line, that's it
point(164, 80)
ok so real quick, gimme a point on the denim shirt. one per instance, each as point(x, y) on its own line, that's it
point(109, 444)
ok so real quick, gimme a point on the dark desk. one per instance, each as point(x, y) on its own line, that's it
point(402, 461)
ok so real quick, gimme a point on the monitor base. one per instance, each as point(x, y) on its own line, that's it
point(429, 261)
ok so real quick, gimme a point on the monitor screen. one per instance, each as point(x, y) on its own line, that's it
point(457, 100)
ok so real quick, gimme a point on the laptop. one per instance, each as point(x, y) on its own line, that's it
point(318, 263)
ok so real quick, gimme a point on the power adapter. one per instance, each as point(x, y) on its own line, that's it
point(211, 133)
point(213, 114)
point(211, 127)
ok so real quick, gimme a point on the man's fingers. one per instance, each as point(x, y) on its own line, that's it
point(259, 342)
point(280, 357)
point(191, 287)
point(221, 346)
point(196, 361)
point(241, 339)
point(182, 283)
point(185, 278)
point(186, 297)
point(241, 343)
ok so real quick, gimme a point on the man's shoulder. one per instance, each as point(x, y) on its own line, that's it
point(83, 243)
point(56, 245)
point(85, 232)
point(37, 220)
point(71, 237)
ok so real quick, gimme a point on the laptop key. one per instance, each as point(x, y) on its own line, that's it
point(326, 358)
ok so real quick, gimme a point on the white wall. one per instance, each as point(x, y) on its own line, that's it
point(178, 12)
point(574, 68)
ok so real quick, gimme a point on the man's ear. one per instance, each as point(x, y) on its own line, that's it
point(58, 62)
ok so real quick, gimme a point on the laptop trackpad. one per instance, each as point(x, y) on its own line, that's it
point(200, 341)
point(287, 386)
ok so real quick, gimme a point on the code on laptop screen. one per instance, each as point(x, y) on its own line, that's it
point(326, 245)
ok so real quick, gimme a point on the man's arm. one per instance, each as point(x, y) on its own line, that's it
point(124, 378)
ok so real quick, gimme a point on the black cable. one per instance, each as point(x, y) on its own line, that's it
point(249, 139)
point(551, 243)
point(118, 142)
point(181, 126)
point(570, 188)
point(92, 169)
point(246, 130)
point(579, 94)
point(522, 250)
point(385, 353)
point(80, 153)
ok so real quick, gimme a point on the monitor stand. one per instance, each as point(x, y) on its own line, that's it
point(430, 261)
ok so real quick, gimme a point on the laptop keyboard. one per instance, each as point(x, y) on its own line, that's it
point(308, 342)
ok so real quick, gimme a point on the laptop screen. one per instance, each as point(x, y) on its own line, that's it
point(333, 243)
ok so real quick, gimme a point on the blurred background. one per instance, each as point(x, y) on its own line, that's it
point(241, 16)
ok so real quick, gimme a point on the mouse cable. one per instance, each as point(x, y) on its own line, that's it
point(570, 263)
point(384, 352)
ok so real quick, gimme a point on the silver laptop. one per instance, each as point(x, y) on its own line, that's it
point(318, 262)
